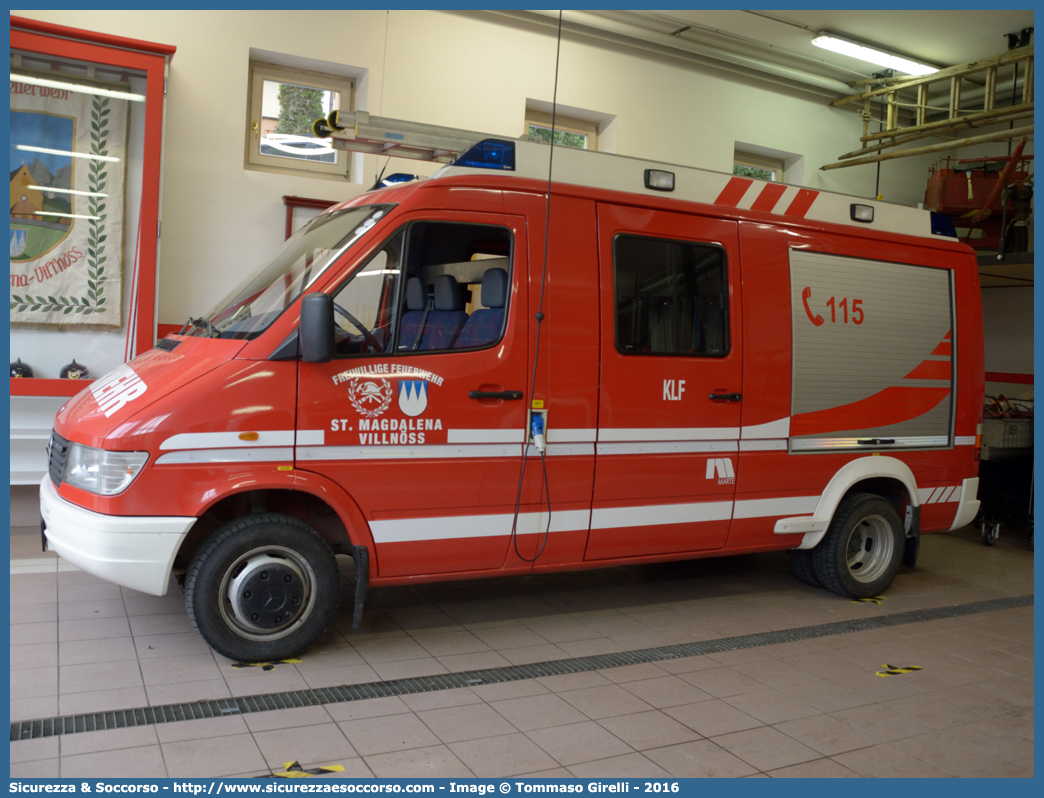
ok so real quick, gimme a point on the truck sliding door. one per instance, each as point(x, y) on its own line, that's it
point(670, 393)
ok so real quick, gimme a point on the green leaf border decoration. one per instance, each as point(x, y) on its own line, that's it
point(97, 175)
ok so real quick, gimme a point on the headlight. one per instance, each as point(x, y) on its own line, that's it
point(100, 471)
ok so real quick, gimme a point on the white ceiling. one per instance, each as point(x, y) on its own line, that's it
point(942, 38)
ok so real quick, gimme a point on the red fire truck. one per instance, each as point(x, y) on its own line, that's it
point(495, 371)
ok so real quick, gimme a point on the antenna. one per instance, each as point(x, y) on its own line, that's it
point(539, 316)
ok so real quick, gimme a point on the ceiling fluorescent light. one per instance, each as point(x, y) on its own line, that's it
point(77, 87)
point(837, 44)
point(68, 153)
point(54, 190)
point(66, 215)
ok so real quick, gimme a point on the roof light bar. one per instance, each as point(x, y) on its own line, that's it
point(489, 154)
point(872, 55)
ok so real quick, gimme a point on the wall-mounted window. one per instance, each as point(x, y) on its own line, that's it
point(760, 167)
point(569, 131)
point(283, 104)
point(764, 163)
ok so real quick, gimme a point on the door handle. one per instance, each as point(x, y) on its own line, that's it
point(875, 441)
point(495, 395)
point(726, 397)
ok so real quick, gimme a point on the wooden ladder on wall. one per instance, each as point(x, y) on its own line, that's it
point(970, 91)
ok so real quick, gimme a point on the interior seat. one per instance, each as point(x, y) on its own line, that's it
point(413, 322)
point(485, 325)
point(448, 318)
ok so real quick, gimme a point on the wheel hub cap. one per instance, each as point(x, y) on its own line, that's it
point(870, 548)
point(268, 593)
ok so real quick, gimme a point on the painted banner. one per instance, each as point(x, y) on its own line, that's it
point(67, 207)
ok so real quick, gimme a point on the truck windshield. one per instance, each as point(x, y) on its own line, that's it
point(253, 306)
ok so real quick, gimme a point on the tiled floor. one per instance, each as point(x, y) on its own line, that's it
point(810, 708)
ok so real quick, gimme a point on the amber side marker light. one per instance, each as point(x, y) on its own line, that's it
point(248, 436)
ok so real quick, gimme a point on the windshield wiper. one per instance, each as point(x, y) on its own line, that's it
point(200, 324)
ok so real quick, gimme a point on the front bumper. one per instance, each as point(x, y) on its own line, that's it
point(136, 552)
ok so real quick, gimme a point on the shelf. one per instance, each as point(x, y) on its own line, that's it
point(27, 477)
point(31, 386)
point(30, 434)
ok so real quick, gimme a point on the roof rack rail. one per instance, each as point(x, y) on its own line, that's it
point(357, 131)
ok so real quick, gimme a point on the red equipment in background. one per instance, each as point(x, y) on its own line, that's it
point(970, 191)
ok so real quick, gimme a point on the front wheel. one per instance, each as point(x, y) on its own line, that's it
point(863, 548)
point(263, 587)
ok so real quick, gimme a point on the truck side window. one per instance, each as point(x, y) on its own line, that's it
point(366, 307)
point(671, 297)
point(434, 286)
point(458, 278)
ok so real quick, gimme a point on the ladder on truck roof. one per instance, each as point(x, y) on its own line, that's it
point(357, 131)
point(470, 152)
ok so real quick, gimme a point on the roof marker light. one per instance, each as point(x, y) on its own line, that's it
point(862, 213)
point(659, 180)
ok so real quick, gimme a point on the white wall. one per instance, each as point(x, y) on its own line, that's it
point(465, 70)
point(1007, 320)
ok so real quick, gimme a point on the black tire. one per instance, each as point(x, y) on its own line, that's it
point(802, 566)
point(863, 547)
point(262, 587)
point(990, 533)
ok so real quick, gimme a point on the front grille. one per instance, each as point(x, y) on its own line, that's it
point(56, 452)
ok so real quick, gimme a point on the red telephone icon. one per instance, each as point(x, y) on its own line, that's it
point(805, 296)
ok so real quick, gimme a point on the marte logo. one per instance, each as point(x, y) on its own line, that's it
point(413, 396)
point(721, 468)
point(370, 398)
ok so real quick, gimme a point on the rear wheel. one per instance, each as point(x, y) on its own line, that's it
point(802, 566)
point(263, 587)
point(863, 548)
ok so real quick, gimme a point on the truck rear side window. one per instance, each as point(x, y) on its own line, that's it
point(671, 297)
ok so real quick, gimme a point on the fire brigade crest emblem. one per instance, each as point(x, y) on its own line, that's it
point(413, 397)
point(370, 398)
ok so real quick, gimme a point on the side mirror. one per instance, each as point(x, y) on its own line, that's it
point(317, 328)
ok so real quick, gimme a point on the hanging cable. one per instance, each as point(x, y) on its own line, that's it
point(539, 320)
point(384, 80)
point(880, 127)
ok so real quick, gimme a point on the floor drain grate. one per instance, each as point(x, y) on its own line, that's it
point(172, 713)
